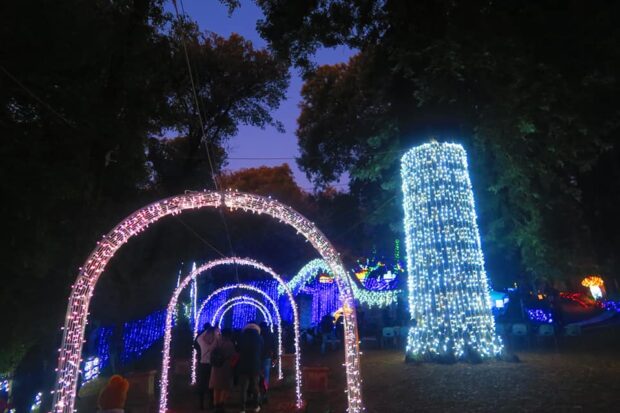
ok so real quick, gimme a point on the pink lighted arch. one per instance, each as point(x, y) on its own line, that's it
point(70, 352)
point(172, 305)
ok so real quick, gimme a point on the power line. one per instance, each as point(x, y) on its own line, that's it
point(35, 97)
point(202, 127)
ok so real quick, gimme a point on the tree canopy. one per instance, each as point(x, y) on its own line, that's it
point(98, 117)
point(528, 88)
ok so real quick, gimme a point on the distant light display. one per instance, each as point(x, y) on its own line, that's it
point(318, 266)
point(36, 405)
point(104, 337)
point(140, 335)
point(595, 284)
point(5, 385)
point(237, 302)
point(540, 316)
point(173, 303)
point(448, 288)
point(70, 351)
point(378, 274)
point(92, 369)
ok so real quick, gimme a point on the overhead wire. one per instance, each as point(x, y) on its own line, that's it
point(204, 138)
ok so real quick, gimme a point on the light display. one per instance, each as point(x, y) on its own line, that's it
point(325, 300)
point(36, 405)
point(173, 303)
point(595, 284)
point(378, 274)
point(448, 289)
point(364, 296)
point(92, 369)
point(242, 301)
point(5, 385)
point(140, 335)
point(103, 346)
point(70, 352)
point(540, 316)
point(221, 292)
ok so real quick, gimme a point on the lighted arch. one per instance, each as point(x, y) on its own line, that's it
point(364, 296)
point(219, 318)
point(173, 304)
point(230, 305)
point(70, 352)
point(243, 287)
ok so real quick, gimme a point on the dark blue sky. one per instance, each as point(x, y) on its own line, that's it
point(252, 142)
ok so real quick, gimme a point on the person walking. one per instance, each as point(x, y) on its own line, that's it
point(207, 342)
point(221, 380)
point(327, 332)
point(269, 348)
point(249, 366)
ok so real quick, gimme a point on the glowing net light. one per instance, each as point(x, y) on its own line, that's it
point(69, 354)
point(246, 287)
point(173, 303)
point(448, 290)
point(370, 298)
point(218, 317)
point(235, 303)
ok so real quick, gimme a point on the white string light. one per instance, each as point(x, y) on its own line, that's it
point(218, 319)
point(248, 287)
point(448, 291)
point(69, 354)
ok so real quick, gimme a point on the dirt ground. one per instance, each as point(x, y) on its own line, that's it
point(574, 378)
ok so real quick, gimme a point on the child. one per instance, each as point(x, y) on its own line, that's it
point(114, 395)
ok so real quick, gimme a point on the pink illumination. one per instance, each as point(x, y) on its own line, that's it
point(69, 358)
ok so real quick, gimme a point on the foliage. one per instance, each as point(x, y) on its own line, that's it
point(97, 118)
point(528, 88)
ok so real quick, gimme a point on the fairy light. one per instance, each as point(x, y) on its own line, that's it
point(370, 298)
point(246, 287)
point(448, 290)
point(70, 352)
point(218, 319)
point(173, 302)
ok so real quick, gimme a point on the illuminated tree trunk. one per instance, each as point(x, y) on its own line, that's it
point(449, 297)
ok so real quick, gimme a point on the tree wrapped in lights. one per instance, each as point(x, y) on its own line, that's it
point(448, 290)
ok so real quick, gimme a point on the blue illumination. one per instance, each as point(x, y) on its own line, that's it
point(540, 316)
point(140, 335)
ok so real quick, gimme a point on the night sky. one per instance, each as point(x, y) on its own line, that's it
point(266, 147)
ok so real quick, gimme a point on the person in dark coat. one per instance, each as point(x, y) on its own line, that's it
point(249, 366)
point(269, 349)
point(221, 381)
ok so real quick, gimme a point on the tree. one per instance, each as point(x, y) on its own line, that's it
point(528, 88)
point(234, 84)
point(85, 89)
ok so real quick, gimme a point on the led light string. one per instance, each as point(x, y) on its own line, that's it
point(140, 335)
point(173, 302)
point(70, 351)
point(379, 299)
point(241, 301)
point(222, 292)
point(448, 289)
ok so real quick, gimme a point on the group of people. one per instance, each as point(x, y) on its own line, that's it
point(226, 360)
